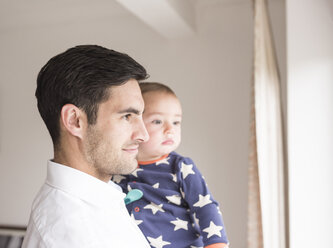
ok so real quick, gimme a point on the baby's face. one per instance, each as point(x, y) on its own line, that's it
point(162, 117)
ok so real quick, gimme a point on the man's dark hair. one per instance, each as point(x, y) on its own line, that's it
point(82, 76)
point(155, 87)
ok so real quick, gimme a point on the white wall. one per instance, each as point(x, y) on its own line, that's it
point(310, 122)
point(210, 72)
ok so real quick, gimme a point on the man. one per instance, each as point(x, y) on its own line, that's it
point(91, 103)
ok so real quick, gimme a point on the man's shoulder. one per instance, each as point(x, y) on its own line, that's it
point(58, 216)
point(49, 196)
point(52, 205)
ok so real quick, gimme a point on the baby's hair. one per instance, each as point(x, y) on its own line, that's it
point(154, 86)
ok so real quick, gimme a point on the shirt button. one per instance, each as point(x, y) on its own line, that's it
point(136, 209)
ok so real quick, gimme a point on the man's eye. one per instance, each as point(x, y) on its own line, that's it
point(156, 121)
point(126, 117)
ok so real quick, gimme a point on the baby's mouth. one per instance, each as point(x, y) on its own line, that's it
point(168, 142)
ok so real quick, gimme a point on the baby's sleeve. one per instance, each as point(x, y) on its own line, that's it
point(203, 208)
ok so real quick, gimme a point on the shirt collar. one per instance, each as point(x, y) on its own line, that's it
point(83, 186)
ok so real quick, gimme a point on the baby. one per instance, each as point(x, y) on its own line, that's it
point(176, 210)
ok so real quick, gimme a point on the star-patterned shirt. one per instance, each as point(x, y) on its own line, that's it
point(176, 210)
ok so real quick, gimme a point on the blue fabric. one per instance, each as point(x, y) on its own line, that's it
point(176, 210)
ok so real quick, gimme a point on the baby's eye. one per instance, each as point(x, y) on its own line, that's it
point(176, 123)
point(126, 117)
point(156, 122)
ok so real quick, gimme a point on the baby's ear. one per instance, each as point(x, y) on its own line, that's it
point(73, 120)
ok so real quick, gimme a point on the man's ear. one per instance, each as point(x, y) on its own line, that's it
point(73, 120)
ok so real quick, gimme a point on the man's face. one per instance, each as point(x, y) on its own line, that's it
point(111, 145)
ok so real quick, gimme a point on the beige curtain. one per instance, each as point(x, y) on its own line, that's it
point(266, 212)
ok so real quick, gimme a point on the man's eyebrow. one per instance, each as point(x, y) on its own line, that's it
point(129, 110)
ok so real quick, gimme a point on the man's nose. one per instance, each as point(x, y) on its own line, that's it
point(141, 133)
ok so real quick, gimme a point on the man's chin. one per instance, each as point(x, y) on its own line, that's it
point(133, 167)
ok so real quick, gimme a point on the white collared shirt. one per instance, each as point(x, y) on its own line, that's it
point(74, 209)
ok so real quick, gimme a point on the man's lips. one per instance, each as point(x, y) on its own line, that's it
point(168, 142)
point(131, 149)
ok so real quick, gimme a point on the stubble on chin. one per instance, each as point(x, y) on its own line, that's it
point(126, 166)
point(105, 157)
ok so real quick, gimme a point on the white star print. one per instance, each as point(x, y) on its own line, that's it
point(179, 224)
point(176, 199)
point(137, 222)
point(129, 188)
point(163, 161)
point(196, 246)
point(154, 207)
point(182, 193)
point(174, 177)
point(213, 230)
point(218, 210)
point(203, 200)
point(187, 170)
point(203, 178)
point(118, 178)
point(158, 242)
point(156, 185)
point(135, 173)
point(196, 220)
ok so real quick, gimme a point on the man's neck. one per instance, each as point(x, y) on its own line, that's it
point(74, 160)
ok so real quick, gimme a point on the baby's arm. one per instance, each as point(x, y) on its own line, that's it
point(202, 206)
